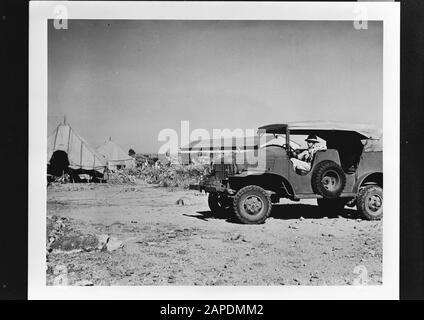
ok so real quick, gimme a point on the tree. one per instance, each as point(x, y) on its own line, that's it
point(131, 153)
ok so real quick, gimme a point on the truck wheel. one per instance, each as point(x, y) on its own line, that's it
point(328, 179)
point(332, 207)
point(218, 203)
point(370, 202)
point(252, 204)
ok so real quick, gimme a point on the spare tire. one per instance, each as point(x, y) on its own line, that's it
point(328, 179)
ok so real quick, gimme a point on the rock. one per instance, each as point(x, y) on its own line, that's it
point(238, 237)
point(84, 283)
point(301, 218)
point(58, 251)
point(75, 241)
point(113, 244)
point(61, 275)
point(327, 234)
point(183, 201)
point(103, 239)
point(235, 237)
point(313, 277)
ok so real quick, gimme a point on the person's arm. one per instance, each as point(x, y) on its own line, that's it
point(317, 148)
point(303, 155)
point(322, 147)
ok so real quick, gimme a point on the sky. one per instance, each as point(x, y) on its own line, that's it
point(129, 79)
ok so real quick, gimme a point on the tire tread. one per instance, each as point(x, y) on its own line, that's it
point(317, 186)
point(360, 202)
point(241, 192)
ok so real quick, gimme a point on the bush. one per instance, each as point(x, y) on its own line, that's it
point(175, 175)
point(121, 177)
point(141, 159)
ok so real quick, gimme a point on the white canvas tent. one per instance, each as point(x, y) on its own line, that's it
point(79, 154)
point(115, 157)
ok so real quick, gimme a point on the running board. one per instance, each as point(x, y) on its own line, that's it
point(317, 196)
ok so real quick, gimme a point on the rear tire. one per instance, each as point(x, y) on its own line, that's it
point(370, 202)
point(252, 204)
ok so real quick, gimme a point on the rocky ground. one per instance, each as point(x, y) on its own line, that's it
point(101, 234)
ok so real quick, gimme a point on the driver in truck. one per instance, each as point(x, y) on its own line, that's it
point(303, 160)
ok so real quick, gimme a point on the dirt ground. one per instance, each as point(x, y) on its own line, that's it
point(155, 241)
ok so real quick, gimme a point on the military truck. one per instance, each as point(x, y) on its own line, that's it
point(348, 172)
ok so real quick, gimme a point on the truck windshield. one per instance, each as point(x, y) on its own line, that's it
point(268, 139)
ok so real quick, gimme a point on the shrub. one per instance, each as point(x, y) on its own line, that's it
point(171, 175)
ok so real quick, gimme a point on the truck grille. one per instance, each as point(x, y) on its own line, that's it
point(223, 171)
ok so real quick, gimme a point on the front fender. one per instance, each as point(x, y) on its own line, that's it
point(268, 181)
point(372, 176)
point(248, 173)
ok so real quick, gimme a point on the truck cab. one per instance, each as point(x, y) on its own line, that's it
point(347, 171)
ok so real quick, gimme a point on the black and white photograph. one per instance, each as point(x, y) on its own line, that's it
point(233, 150)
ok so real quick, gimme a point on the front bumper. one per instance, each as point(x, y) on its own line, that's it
point(194, 187)
point(212, 187)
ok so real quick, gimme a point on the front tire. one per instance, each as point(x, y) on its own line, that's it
point(218, 203)
point(370, 202)
point(252, 204)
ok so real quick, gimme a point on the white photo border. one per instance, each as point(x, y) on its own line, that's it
point(41, 11)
